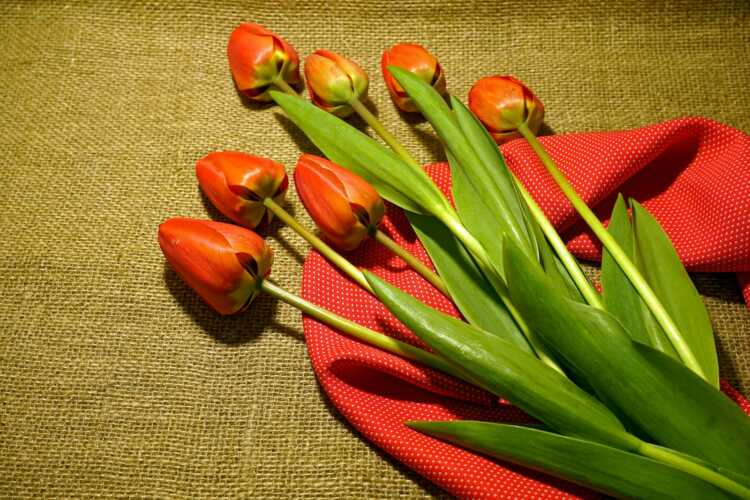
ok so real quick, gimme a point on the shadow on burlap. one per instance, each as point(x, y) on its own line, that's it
point(116, 379)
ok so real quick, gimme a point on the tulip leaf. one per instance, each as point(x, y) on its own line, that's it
point(507, 371)
point(620, 297)
point(487, 180)
point(491, 178)
point(410, 188)
point(663, 270)
point(481, 221)
point(603, 468)
point(665, 399)
point(471, 292)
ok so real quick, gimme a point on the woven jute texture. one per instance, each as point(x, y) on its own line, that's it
point(116, 380)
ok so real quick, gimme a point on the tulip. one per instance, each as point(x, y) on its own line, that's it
point(416, 59)
point(334, 82)
point(223, 263)
point(260, 60)
point(345, 207)
point(503, 103)
point(237, 183)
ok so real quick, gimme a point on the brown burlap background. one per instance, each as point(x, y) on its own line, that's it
point(116, 380)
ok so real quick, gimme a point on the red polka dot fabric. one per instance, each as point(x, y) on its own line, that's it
point(678, 167)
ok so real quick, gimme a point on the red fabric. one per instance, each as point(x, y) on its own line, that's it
point(692, 174)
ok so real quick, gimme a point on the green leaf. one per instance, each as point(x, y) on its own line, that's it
point(665, 273)
point(492, 180)
point(410, 188)
point(507, 371)
point(433, 107)
point(603, 468)
point(477, 216)
point(664, 398)
point(620, 297)
point(471, 292)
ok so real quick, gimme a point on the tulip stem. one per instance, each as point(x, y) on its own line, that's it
point(558, 245)
point(379, 129)
point(362, 333)
point(281, 84)
point(618, 254)
point(329, 253)
point(669, 457)
point(410, 259)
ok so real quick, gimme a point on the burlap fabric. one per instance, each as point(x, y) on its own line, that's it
point(116, 380)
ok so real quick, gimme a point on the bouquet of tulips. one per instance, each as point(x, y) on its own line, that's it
point(624, 382)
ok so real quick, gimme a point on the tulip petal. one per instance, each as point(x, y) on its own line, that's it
point(248, 51)
point(246, 242)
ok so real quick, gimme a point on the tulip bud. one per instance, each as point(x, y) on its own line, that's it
point(502, 103)
point(257, 58)
point(333, 81)
point(223, 263)
point(416, 59)
point(345, 207)
point(237, 183)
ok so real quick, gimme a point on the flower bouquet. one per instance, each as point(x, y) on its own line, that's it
point(623, 383)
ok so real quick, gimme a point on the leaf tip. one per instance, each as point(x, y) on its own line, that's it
point(425, 426)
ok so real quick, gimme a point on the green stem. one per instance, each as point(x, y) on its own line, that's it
point(415, 263)
point(359, 332)
point(628, 267)
point(329, 253)
point(490, 271)
point(666, 456)
point(281, 84)
point(558, 245)
point(384, 134)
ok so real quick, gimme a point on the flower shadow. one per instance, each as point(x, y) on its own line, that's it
point(259, 105)
point(231, 330)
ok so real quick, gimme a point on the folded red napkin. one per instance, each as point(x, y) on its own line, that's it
point(693, 174)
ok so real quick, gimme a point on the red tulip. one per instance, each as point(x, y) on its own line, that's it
point(502, 103)
point(237, 183)
point(345, 207)
point(257, 58)
point(224, 263)
point(416, 59)
point(333, 81)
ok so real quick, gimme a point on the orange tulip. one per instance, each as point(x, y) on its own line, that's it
point(257, 58)
point(345, 207)
point(502, 103)
point(223, 263)
point(237, 183)
point(416, 59)
point(333, 81)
